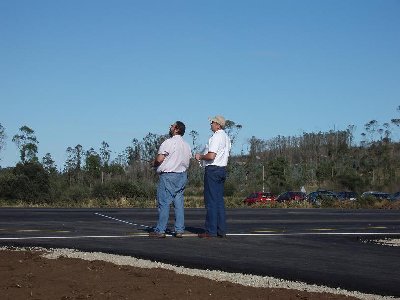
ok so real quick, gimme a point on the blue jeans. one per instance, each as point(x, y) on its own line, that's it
point(214, 179)
point(170, 190)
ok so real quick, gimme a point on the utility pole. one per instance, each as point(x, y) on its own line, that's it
point(263, 178)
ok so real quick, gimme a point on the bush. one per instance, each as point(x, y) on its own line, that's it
point(28, 182)
point(123, 189)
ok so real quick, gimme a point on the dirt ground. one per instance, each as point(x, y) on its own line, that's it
point(27, 275)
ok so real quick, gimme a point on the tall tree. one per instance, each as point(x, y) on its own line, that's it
point(194, 135)
point(49, 164)
point(3, 137)
point(93, 164)
point(105, 154)
point(151, 143)
point(232, 130)
point(27, 144)
point(74, 162)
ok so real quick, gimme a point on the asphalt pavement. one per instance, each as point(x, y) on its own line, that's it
point(318, 246)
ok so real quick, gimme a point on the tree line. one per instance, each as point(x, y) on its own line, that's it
point(330, 160)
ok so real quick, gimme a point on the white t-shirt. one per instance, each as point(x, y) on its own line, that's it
point(177, 154)
point(220, 144)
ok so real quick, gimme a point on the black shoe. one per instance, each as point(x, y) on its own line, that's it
point(179, 235)
point(222, 236)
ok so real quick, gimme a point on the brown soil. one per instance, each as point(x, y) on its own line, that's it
point(27, 275)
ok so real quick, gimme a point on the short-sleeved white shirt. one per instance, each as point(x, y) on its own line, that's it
point(177, 155)
point(220, 144)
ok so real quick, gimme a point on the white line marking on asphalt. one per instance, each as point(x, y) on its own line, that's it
point(195, 235)
point(122, 221)
point(65, 237)
point(316, 233)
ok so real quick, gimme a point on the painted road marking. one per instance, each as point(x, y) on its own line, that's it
point(122, 221)
point(195, 235)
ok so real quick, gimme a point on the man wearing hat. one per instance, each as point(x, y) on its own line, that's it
point(215, 159)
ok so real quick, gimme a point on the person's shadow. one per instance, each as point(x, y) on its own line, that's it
point(193, 230)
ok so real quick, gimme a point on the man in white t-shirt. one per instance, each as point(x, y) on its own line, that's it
point(215, 159)
point(171, 163)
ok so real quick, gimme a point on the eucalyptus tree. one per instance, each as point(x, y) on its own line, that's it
point(133, 152)
point(73, 164)
point(3, 137)
point(371, 127)
point(105, 154)
point(232, 130)
point(48, 164)
point(194, 135)
point(396, 122)
point(27, 144)
point(151, 143)
point(92, 164)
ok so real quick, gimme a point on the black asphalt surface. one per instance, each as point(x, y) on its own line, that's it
point(319, 246)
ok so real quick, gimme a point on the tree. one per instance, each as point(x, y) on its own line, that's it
point(93, 164)
point(74, 162)
point(133, 153)
point(31, 182)
point(27, 144)
point(105, 154)
point(232, 130)
point(151, 143)
point(276, 174)
point(49, 164)
point(195, 147)
point(3, 137)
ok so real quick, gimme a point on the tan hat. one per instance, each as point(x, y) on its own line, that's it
point(218, 119)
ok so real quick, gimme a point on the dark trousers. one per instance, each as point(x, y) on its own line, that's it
point(214, 179)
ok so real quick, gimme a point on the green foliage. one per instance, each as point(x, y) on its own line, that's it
point(366, 202)
point(27, 144)
point(313, 160)
point(76, 194)
point(277, 179)
point(119, 189)
point(28, 181)
point(3, 137)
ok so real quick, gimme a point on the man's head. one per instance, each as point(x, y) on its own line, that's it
point(219, 120)
point(177, 128)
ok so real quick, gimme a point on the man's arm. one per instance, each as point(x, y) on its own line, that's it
point(158, 160)
point(207, 156)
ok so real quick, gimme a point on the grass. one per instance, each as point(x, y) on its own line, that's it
point(198, 202)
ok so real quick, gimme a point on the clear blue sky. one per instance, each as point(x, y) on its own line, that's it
point(83, 72)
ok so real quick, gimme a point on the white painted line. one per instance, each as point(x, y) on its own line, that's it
point(316, 233)
point(195, 235)
point(67, 237)
point(122, 221)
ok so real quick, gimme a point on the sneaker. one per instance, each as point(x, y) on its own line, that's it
point(179, 235)
point(155, 234)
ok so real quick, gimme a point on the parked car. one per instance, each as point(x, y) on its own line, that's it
point(318, 195)
point(259, 197)
point(378, 195)
point(291, 196)
point(347, 195)
point(394, 196)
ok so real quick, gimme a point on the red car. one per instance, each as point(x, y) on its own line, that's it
point(259, 197)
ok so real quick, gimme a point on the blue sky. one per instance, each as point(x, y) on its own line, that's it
point(83, 72)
